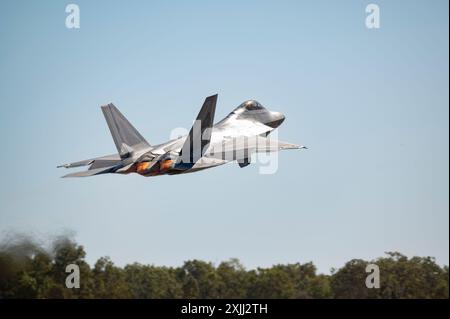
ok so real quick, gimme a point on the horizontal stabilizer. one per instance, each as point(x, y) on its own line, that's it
point(77, 164)
point(91, 172)
point(97, 162)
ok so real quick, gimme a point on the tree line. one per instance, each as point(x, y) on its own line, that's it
point(29, 271)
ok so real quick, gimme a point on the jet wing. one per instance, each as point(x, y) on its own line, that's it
point(264, 144)
point(242, 147)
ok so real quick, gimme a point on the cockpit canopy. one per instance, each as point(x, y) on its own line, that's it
point(251, 105)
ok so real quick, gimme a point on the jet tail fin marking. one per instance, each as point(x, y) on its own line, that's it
point(200, 134)
point(125, 136)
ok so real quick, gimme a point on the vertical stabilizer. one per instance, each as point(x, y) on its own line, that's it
point(125, 136)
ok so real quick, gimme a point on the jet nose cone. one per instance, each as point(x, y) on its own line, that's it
point(278, 115)
point(276, 118)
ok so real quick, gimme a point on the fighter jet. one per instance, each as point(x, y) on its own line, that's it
point(235, 138)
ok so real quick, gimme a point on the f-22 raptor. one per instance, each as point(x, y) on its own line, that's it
point(235, 138)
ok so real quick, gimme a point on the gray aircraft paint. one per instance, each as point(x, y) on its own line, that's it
point(235, 138)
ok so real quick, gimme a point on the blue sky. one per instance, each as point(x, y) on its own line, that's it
point(372, 105)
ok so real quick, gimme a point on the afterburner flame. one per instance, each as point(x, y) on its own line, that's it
point(166, 164)
point(142, 167)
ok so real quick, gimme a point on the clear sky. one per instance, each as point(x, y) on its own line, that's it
point(372, 105)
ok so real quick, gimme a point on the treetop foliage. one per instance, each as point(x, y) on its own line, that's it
point(27, 270)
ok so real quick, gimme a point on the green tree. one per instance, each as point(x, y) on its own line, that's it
point(152, 282)
point(199, 280)
point(272, 283)
point(400, 277)
point(110, 281)
point(349, 282)
point(233, 280)
point(27, 270)
point(66, 252)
